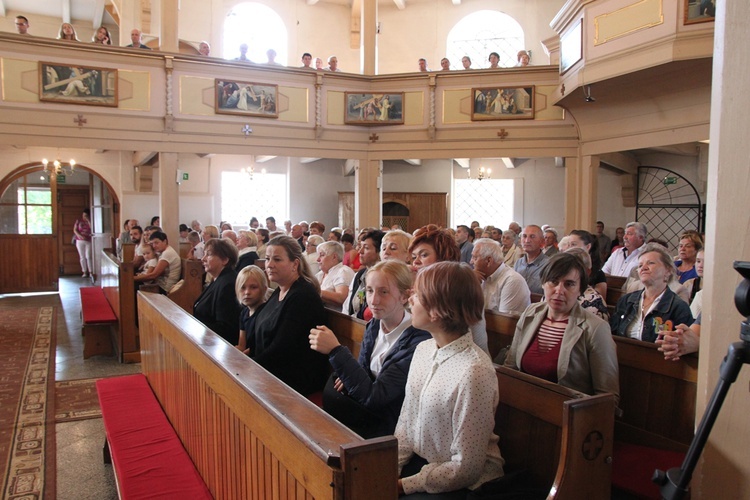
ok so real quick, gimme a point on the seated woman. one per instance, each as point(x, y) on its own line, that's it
point(446, 443)
point(311, 252)
point(366, 395)
point(263, 238)
point(433, 244)
point(395, 245)
point(334, 276)
point(351, 252)
point(639, 315)
point(579, 238)
point(694, 286)
point(690, 244)
point(252, 292)
point(278, 341)
point(681, 341)
point(217, 306)
point(558, 341)
point(247, 244)
point(590, 300)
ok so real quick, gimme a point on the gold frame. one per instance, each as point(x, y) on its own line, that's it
point(359, 106)
point(91, 86)
point(699, 19)
point(509, 110)
point(264, 97)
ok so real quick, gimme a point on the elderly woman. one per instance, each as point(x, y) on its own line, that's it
point(366, 394)
point(590, 300)
point(279, 341)
point(247, 244)
point(644, 314)
point(334, 276)
point(558, 341)
point(217, 306)
point(511, 251)
point(690, 244)
point(395, 246)
point(311, 252)
point(432, 244)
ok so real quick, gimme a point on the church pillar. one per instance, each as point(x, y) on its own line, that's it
point(168, 39)
point(169, 194)
point(724, 471)
point(369, 41)
point(368, 194)
point(581, 192)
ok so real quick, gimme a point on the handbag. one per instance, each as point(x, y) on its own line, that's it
point(73, 241)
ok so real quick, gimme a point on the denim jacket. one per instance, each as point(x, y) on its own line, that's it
point(670, 308)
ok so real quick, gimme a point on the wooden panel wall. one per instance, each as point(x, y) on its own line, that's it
point(424, 208)
point(28, 263)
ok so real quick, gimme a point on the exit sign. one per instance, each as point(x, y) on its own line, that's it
point(185, 176)
point(61, 179)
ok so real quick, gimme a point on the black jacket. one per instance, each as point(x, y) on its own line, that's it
point(218, 309)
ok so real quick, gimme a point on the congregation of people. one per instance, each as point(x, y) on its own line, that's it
point(102, 36)
point(424, 372)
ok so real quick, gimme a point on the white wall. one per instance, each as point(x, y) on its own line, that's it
point(432, 176)
point(610, 209)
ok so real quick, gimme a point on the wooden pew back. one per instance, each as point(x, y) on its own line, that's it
point(119, 288)
point(248, 434)
point(500, 330)
point(563, 437)
point(657, 397)
point(191, 285)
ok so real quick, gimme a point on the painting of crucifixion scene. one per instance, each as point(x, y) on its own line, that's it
point(374, 109)
point(77, 85)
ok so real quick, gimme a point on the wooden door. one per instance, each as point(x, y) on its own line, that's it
point(70, 202)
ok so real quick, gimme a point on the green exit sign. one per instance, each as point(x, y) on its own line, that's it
point(670, 180)
point(185, 176)
point(61, 179)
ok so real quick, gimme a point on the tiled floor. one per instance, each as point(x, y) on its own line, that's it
point(81, 473)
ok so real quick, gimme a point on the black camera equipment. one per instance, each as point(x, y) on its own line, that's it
point(674, 483)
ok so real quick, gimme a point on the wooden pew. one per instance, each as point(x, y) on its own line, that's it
point(119, 288)
point(543, 427)
point(248, 434)
point(183, 249)
point(562, 437)
point(657, 397)
point(190, 287)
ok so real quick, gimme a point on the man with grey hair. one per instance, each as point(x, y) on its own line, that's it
point(550, 242)
point(504, 289)
point(530, 265)
point(230, 235)
point(515, 227)
point(623, 260)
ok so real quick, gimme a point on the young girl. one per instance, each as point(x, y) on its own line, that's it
point(252, 292)
point(149, 256)
point(366, 394)
point(446, 443)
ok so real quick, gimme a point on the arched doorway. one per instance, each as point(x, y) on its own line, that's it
point(395, 214)
point(37, 213)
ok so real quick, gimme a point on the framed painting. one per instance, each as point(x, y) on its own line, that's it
point(516, 103)
point(75, 84)
point(700, 11)
point(374, 109)
point(246, 98)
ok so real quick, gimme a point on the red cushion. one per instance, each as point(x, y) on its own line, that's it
point(634, 465)
point(94, 306)
point(317, 398)
point(148, 457)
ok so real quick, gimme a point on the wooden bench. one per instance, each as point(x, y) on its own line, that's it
point(248, 434)
point(190, 286)
point(97, 318)
point(549, 430)
point(119, 288)
point(148, 458)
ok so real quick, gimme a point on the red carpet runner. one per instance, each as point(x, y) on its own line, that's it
point(27, 342)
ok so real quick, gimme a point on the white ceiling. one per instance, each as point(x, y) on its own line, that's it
point(79, 10)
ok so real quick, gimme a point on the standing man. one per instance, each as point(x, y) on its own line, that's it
point(243, 54)
point(530, 265)
point(135, 39)
point(504, 289)
point(271, 224)
point(369, 255)
point(423, 65)
point(306, 61)
point(22, 25)
point(464, 238)
point(605, 243)
point(624, 259)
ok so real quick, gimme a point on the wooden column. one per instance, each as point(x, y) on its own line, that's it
point(169, 197)
point(368, 194)
point(168, 39)
point(581, 191)
point(724, 471)
point(369, 40)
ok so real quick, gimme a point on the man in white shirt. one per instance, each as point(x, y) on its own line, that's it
point(504, 289)
point(168, 267)
point(624, 259)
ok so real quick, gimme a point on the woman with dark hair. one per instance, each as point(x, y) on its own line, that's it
point(645, 313)
point(279, 340)
point(263, 238)
point(446, 440)
point(579, 238)
point(82, 231)
point(366, 394)
point(351, 253)
point(558, 341)
point(102, 36)
point(433, 244)
point(217, 305)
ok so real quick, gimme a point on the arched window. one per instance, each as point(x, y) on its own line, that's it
point(258, 26)
point(482, 32)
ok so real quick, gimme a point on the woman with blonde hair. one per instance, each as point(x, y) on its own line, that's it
point(278, 341)
point(247, 244)
point(210, 231)
point(67, 32)
point(366, 394)
point(395, 245)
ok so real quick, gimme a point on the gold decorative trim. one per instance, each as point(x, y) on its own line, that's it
point(616, 24)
